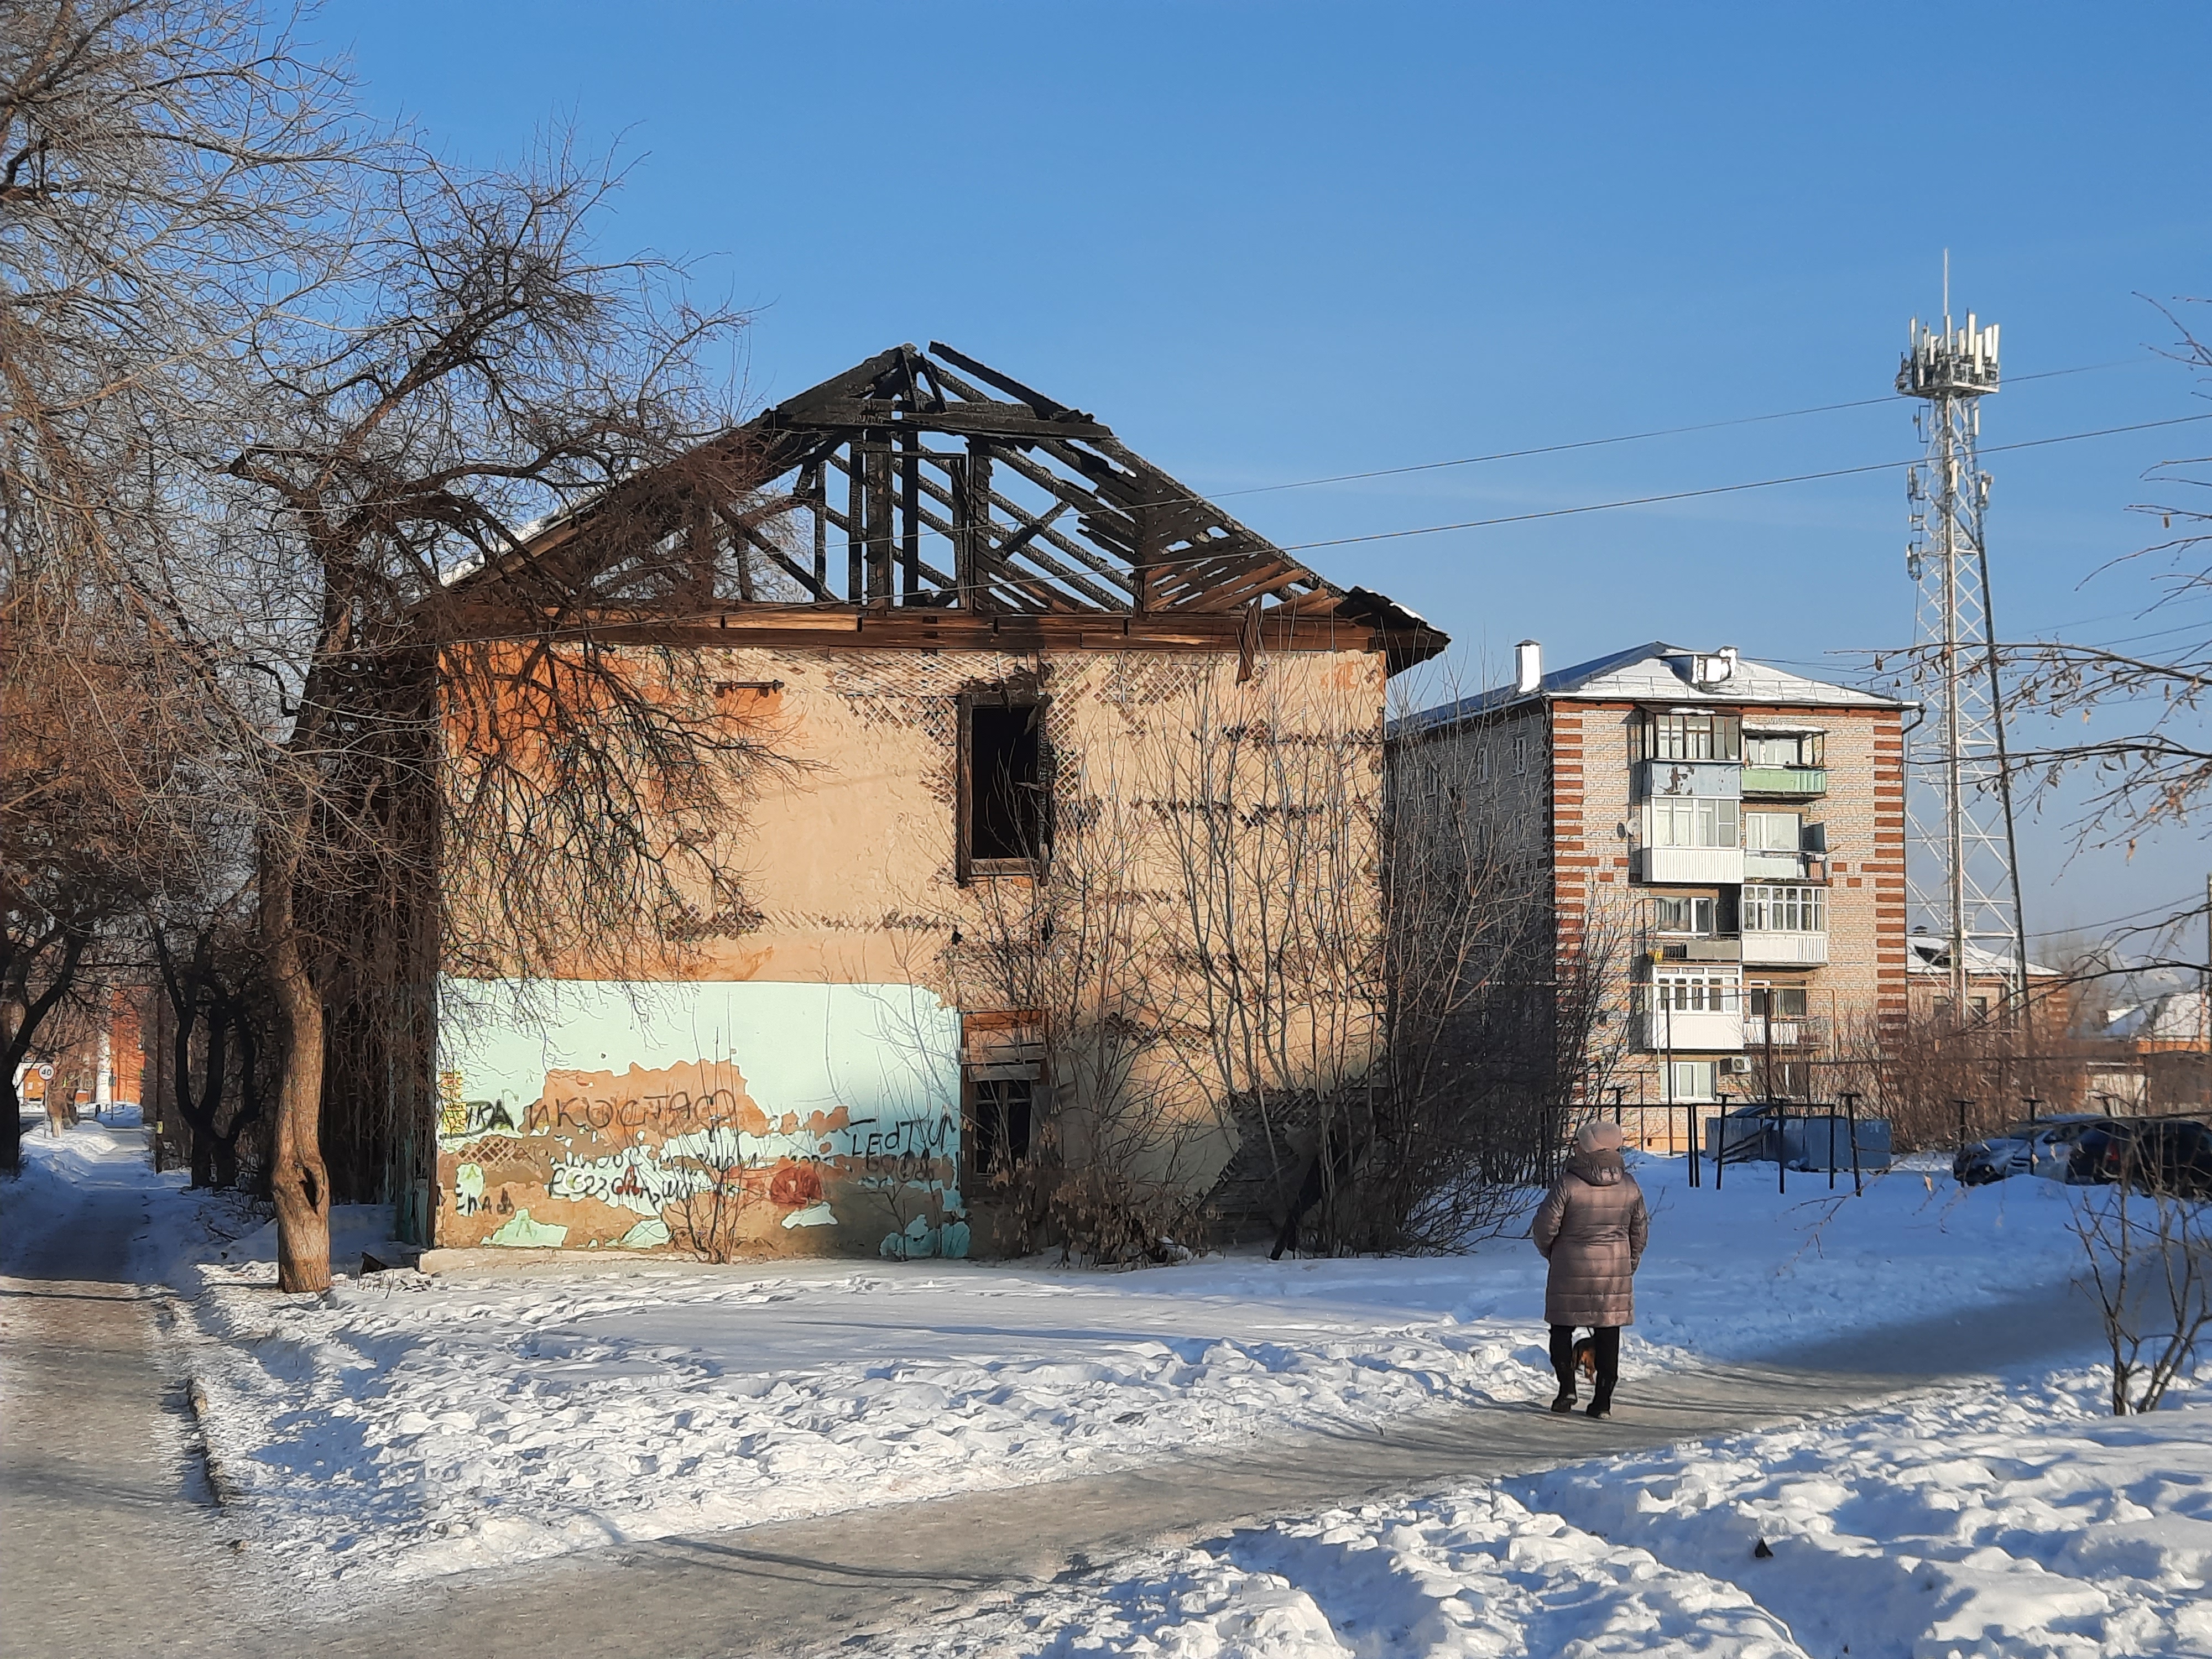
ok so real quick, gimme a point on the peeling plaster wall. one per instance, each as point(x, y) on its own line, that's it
point(852, 904)
point(593, 1114)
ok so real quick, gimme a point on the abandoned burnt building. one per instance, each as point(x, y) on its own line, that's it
point(989, 646)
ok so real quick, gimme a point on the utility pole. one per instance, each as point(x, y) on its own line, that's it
point(1966, 879)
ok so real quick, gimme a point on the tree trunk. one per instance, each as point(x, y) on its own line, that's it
point(32, 1010)
point(299, 1182)
point(247, 1113)
point(11, 1149)
point(210, 1107)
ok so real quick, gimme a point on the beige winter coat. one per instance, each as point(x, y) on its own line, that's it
point(1592, 1228)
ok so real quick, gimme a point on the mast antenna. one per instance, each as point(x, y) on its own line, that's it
point(1962, 871)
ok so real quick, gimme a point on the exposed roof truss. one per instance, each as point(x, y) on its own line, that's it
point(925, 481)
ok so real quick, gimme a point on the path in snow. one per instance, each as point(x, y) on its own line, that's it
point(804, 1586)
point(103, 1552)
point(100, 1542)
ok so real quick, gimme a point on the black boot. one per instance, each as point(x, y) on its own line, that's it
point(1562, 1367)
point(1605, 1341)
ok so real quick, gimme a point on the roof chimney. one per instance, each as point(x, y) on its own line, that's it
point(1528, 668)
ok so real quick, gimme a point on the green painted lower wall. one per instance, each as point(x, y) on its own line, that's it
point(718, 1118)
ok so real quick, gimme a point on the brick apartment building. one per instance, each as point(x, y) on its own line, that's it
point(1731, 833)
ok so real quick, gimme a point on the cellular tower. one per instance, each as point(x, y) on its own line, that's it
point(1961, 873)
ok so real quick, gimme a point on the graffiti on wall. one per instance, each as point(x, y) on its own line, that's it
point(793, 1118)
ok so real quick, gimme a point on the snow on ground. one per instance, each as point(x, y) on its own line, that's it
point(404, 1425)
point(2018, 1521)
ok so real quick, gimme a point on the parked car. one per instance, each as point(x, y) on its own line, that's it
point(2167, 1155)
point(2048, 1147)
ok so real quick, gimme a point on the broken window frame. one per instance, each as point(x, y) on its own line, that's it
point(972, 866)
point(1001, 1052)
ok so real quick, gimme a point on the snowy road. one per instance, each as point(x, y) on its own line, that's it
point(102, 1540)
point(110, 1581)
point(104, 1549)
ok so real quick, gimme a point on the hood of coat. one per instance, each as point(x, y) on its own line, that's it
point(1598, 1168)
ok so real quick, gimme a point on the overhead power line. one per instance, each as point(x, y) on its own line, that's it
point(1718, 489)
point(1630, 437)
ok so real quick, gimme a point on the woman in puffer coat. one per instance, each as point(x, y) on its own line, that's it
point(1592, 1228)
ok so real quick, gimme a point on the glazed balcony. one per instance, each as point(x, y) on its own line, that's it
point(1797, 782)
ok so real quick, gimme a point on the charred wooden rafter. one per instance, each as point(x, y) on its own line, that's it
point(965, 494)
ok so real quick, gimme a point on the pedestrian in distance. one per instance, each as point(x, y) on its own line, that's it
point(1591, 1228)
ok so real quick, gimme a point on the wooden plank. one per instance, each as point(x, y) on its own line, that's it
point(838, 626)
point(883, 526)
point(856, 524)
point(910, 503)
point(1092, 560)
point(980, 549)
point(818, 588)
point(819, 496)
point(1234, 594)
point(1005, 383)
point(1084, 501)
point(957, 420)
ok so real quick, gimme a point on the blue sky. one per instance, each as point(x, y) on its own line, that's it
point(1269, 243)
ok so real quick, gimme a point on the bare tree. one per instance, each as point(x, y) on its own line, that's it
point(448, 716)
point(2149, 767)
point(2147, 1262)
point(1505, 1027)
point(1257, 979)
point(218, 1012)
point(163, 171)
point(1107, 1154)
point(88, 827)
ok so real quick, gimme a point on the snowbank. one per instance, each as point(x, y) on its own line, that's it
point(405, 1426)
point(2016, 1522)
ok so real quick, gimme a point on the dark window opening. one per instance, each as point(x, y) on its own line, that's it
point(999, 1126)
point(1004, 816)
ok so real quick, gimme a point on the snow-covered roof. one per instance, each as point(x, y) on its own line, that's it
point(2177, 1017)
point(1927, 954)
point(1660, 672)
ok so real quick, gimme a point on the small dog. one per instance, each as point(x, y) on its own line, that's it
point(1585, 1359)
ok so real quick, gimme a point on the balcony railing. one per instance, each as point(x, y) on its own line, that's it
point(1721, 866)
point(1785, 947)
point(1713, 779)
point(1695, 1031)
point(1785, 780)
point(1761, 864)
point(1790, 1031)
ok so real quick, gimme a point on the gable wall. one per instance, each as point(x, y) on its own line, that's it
point(808, 1040)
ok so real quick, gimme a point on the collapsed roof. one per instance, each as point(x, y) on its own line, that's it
point(927, 483)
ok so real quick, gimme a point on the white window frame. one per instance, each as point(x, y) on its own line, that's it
point(1709, 821)
point(1756, 839)
point(1807, 750)
point(1696, 987)
point(1785, 907)
point(1689, 905)
point(1693, 1079)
